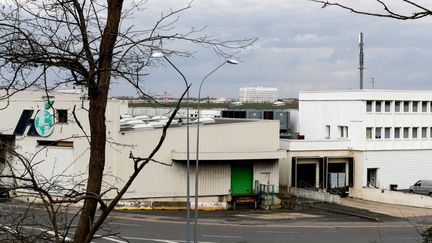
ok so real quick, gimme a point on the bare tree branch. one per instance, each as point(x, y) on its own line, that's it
point(388, 13)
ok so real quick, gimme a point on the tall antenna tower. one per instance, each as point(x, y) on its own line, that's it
point(361, 58)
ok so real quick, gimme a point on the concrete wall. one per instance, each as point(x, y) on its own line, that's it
point(395, 197)
point(315, 195)
point(314, 116)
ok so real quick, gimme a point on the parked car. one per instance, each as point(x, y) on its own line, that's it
point(422, 187)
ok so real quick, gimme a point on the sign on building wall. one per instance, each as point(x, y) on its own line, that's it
point(44, 121)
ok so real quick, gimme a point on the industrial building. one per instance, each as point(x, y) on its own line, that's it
point(348, 141)
point(235, 155)
point(360, 139)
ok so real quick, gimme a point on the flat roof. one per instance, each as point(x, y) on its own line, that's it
point(218, 121)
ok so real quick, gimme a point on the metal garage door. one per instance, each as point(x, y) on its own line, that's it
point(241, 179)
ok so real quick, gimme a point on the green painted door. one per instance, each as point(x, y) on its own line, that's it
point(241, 179)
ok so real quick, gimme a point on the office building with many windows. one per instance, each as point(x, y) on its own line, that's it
point(360, 139)
point(258, 94)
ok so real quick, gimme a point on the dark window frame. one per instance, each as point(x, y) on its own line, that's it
point(62, 115)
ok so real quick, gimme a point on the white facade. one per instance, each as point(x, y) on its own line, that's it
point(64, 153)
point(258, 94)
point(388, 134)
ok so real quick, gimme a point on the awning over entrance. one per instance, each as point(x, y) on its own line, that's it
point(258, 155)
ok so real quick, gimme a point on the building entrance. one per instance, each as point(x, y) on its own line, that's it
point(306, 175)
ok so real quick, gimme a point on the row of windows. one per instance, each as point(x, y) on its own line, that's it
point(398, 132)
point(398, 106)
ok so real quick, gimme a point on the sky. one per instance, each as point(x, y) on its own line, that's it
point(300, 47)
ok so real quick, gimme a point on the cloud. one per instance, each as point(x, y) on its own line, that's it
point(300, 47)
point(308, 38)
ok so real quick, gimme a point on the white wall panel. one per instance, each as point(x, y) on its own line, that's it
point(403, 168)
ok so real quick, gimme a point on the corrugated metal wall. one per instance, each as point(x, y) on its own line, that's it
point(214, 178)
point(267, 171)
point(160, 180)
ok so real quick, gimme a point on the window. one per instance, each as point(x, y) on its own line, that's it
point(378, 106)
point(378, 132)
point(368, 106)
point(368, 132)
point(406, 105)
point(415, 106)
point(387, 106)
point(62, 116)
point(424, 132)
point(397, 132)
point(397, 106)
point(414, 132)
point(327, 131)
point(61, 143)
point(424, 106)
point(406, 132)
point(387, 132)
point(343, 131)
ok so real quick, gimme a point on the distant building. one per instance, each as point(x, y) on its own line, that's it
point(258, 94)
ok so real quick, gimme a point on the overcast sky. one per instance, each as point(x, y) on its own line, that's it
point(300, 47)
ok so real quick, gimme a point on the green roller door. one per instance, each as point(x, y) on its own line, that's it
point(241, 179)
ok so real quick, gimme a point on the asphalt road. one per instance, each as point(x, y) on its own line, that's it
point(251, 226)
point(135, 230)
point(261, 226)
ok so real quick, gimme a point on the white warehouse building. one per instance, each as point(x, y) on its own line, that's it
point(235, 155)
point(360, 138)
point(258, 94)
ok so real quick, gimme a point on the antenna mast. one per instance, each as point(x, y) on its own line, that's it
point(361, 58)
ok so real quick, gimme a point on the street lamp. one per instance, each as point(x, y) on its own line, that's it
point(159, 54)
point(230, 61)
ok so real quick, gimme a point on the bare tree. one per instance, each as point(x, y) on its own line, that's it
point(57, 43)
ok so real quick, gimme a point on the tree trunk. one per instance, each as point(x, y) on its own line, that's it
point(98, 101)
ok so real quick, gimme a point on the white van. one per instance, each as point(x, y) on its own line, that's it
point(422, 187)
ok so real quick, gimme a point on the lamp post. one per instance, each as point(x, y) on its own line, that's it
point(230, 61)
point(158, 54)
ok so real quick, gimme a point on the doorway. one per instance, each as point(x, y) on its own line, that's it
point(372, 174)
point(306, 175)
point(241, 179)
